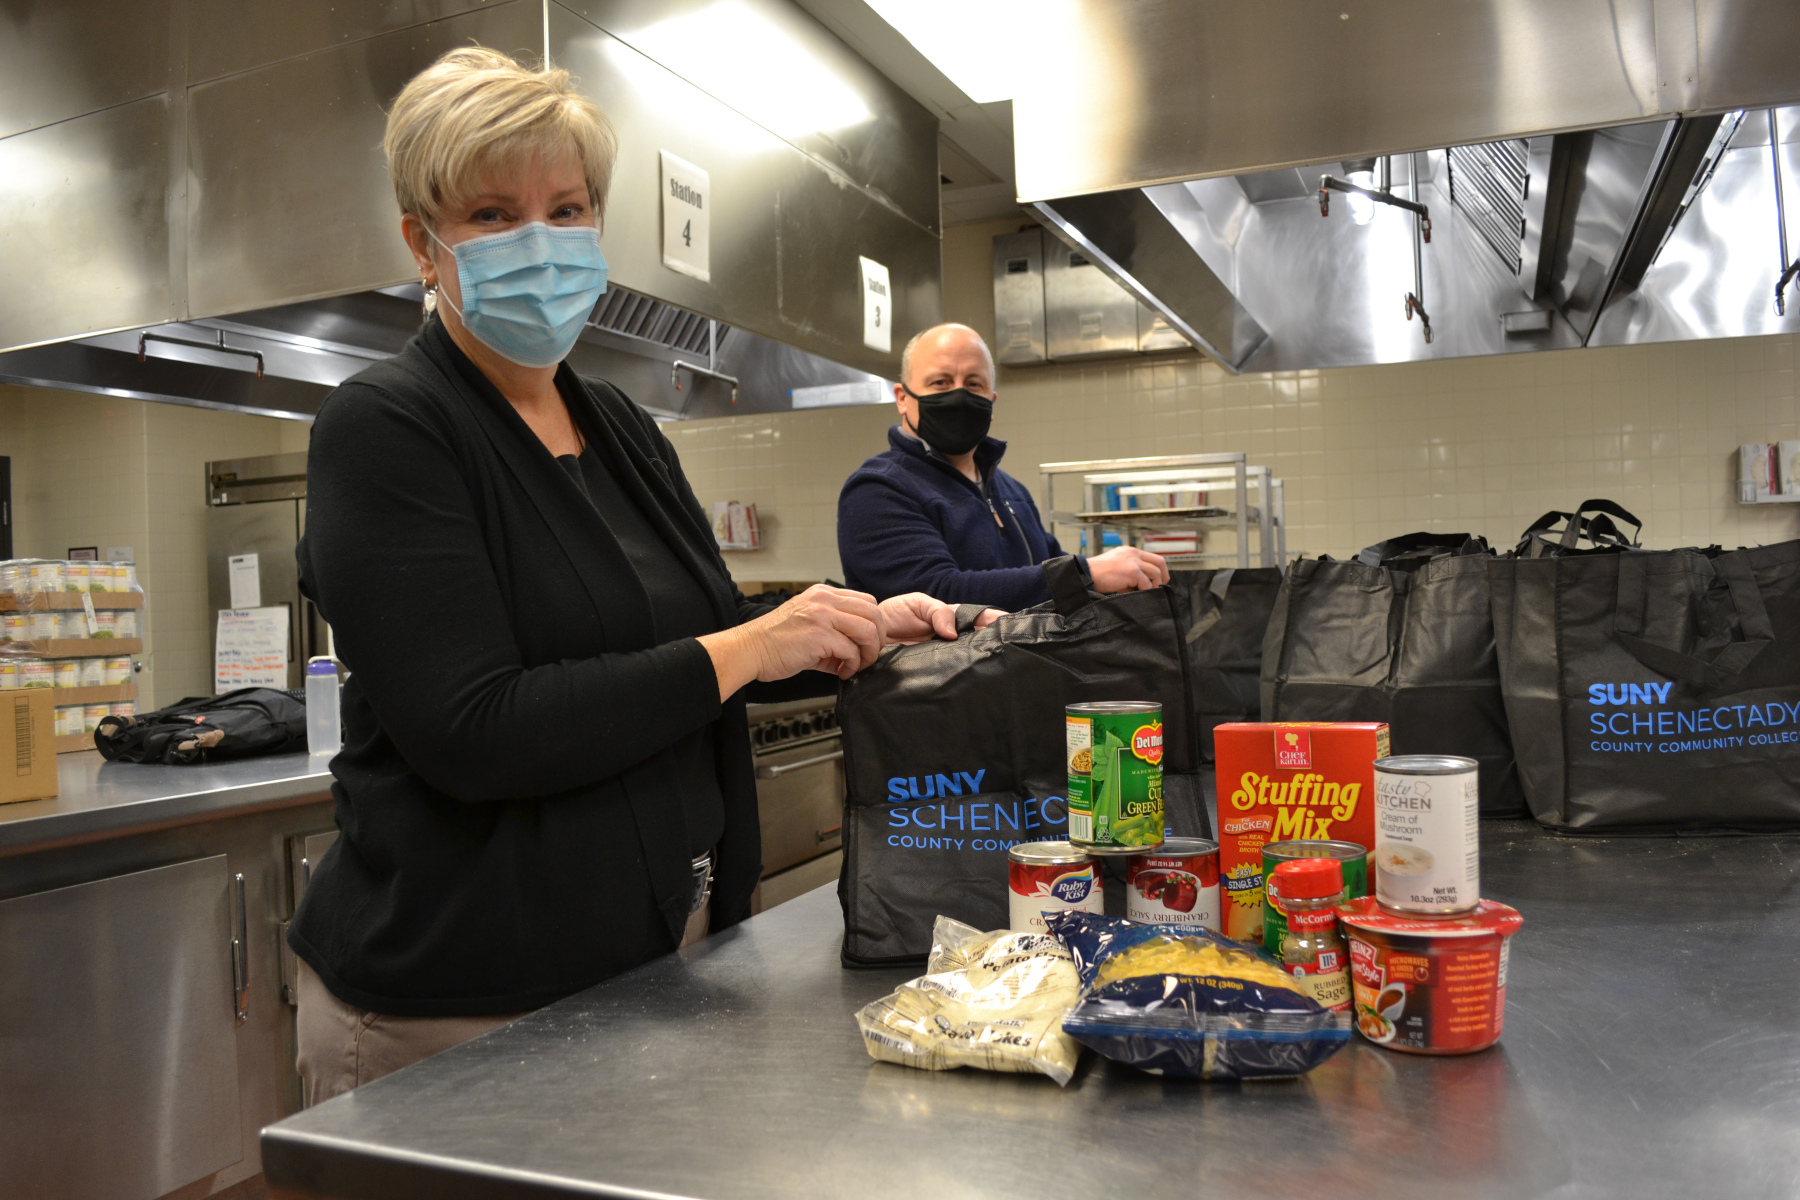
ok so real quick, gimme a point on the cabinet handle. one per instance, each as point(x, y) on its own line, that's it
point(240, 950)
point(784, 768)
point(827, 835)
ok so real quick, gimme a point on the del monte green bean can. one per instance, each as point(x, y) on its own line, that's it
point(1115, 752)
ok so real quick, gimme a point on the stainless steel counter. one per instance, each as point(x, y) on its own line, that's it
point(101, 799)
point(1652, 1048)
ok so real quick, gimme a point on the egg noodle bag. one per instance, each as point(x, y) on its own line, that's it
point(1174, 1000)
point(995, 1001)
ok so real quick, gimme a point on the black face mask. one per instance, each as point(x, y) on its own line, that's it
point(953, 422)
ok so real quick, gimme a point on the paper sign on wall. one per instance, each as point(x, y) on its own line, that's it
point(245, 573)
point(687, 216)
point(252, 649)
point(878, 308)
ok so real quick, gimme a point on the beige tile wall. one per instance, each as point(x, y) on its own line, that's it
point(1484, 444)
point(98, 471)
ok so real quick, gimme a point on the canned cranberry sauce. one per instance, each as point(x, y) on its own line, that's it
point(1176, 884)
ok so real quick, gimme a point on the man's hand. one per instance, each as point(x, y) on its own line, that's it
point(916, 617)
point(1127, 569)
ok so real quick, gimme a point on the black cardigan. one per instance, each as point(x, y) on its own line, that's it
point(507, 832)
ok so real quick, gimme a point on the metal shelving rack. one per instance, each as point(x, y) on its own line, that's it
point(1177, 473)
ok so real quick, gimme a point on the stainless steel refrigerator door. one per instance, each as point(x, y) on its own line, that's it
point(268, 530)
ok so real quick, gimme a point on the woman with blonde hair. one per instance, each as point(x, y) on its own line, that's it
point(546, 774)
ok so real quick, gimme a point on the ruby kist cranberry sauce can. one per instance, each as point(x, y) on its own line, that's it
point(1050, 877)
point(1177, 884)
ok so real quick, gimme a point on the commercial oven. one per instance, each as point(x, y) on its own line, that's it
point(799, 755)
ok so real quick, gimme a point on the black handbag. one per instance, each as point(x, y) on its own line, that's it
point(1401, 634)
point(1654, 690)
point(240, 724)
point(1224, 615)
point(954, 751)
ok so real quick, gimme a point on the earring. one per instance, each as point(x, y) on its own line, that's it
point(430, 304)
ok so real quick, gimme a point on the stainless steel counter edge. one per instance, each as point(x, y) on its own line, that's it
point(100, 799)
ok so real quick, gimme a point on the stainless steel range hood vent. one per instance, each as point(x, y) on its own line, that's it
point(1488, 182)
point(308, 349)
point(229, 163)
point(1570, 155)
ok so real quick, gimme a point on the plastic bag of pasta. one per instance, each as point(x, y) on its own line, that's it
point(1183, 1001)
point(990, 1000)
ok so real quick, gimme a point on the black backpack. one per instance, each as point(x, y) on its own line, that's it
point(240, 724)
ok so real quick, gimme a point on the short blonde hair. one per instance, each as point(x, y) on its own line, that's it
point(476, 110)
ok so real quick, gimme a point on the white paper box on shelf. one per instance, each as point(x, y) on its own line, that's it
point(734, 526)
point(1755, 472)
point(1787, 465)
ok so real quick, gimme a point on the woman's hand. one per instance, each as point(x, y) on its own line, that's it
point(822, 629)
point(916, 617)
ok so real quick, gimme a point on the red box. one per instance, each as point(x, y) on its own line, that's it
point(1283, 782)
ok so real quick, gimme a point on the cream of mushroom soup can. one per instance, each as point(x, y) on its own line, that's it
point(1050, 877)
point(1427, 833)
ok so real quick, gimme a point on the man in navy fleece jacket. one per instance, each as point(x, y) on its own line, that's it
point(936, 514)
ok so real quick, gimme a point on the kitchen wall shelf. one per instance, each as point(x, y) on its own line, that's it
point(1175, 474)
point(74, 648)
point(63, 601)
point(106, 693)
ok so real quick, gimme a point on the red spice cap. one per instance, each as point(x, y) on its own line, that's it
point(1309, 879)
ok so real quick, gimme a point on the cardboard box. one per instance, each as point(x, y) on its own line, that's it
point(27, 744)
point(1288, 781)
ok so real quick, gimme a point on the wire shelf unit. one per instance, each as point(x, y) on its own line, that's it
point(1199, 475)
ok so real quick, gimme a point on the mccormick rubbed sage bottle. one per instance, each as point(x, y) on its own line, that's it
point(1313, 950)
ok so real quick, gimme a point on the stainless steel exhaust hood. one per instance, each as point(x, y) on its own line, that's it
point(676, 364)
point(227, 169)
point(1589, 170)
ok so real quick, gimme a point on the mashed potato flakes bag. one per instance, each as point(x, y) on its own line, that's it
point(995, 1001)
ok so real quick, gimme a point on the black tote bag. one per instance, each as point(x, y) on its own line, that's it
point(1224, 615)
point(1655, 690)
point(956, 751)
point(1402, 634)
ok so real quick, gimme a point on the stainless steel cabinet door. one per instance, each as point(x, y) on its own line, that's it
point(118, 1038)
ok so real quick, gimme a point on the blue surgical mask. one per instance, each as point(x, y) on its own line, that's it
point(527, 292)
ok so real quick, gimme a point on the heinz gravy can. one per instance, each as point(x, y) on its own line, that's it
point(1427, 833)
point(1049, 877)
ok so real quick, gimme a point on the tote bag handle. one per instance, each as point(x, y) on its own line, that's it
point(1420, 547)
point(1068, 586)
point(1540, 537)
point(1733, 659)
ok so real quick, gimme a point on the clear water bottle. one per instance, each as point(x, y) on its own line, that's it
point(323, 734)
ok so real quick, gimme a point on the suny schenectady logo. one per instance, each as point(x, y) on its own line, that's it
point(949, 811)
point(1638, 718)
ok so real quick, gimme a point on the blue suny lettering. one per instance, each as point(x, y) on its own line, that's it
point(947, 786)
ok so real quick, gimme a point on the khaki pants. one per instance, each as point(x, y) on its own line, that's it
point(341, 1046)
